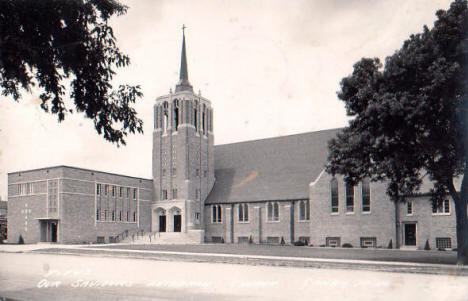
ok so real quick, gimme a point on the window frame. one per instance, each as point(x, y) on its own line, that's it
point(409, 204)
point(216, 214)
point(306, 216)
point(363, 194)
point(349, 197)
point(442, 207)
point(243, 217)
point(271, 218)
point(334, 209)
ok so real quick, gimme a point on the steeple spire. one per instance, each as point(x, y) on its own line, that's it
point(183, 84)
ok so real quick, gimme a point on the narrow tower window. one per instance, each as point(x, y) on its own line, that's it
point(176, 114)
point(165, 117)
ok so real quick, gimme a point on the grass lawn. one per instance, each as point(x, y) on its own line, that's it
point(434, 257)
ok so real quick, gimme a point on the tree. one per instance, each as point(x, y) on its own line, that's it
point(53, 43)
point(410, 117)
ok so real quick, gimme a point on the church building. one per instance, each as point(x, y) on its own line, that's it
point(273, 191)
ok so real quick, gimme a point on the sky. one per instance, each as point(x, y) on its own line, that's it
point(270, 68)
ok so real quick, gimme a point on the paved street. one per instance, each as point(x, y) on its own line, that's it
point(65, 277)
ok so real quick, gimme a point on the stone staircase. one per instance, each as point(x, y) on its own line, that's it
point(191, 237)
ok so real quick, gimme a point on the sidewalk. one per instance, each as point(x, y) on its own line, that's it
point(249, 259)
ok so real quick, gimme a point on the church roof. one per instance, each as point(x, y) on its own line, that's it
point(278, 168)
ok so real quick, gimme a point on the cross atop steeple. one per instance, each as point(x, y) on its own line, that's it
point(183, 84)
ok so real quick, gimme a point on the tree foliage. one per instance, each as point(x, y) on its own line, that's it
point(410, 117)
point(57, 43)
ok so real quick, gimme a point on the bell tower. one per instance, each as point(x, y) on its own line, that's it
point(183, 171)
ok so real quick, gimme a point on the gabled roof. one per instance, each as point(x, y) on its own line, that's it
point(278, 168)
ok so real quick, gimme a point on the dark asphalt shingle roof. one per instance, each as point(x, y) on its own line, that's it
point(278, 168)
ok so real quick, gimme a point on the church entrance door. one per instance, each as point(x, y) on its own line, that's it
point(177, 223)
point(162, 223)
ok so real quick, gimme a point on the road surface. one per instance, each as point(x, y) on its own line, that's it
point(29, 276)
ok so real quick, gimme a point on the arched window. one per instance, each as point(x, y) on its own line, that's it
point(216, 214)
point(304, 210)
point(195, 115)
point(203, 127)
point(272, 211)
point(365, 196)
point(175, 114)
point(334, 195)
point(349, 197)
point(243, 212)
point(165, 118)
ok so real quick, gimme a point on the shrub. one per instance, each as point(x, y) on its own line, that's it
point(20, 240)
point(427, 247)
point(322, 246)
point(347, 245)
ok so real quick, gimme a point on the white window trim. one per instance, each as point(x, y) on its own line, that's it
point(443, 213)
point(299, 220)
point(248, 214)
point(412, 208)
point(215, 221)
point(370, 200)
point(279, 213)
point(348, 212)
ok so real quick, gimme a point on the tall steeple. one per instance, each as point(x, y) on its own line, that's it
point(183, 84)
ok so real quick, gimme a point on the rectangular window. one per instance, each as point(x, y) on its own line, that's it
point(105, 215)
point(121, 191)
point(106, 190)
point(409, 207)
point(368, 242)
point(164, 194)
point(366, 206)
point(443, 243)
point(97, 214)
point(332, 242)
point(113, 190)
point(440, 207)
point(113, 215)
point(197, 194)
point(120, 215)
point(174, 193)
point(216, 214)
point(98, 189)
point(134, 193)
point(304, 210)
point(134, 216)
point(349, 198)
point(205, 173)
point(128, 193)
point(197, 217)
point(197, 172)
